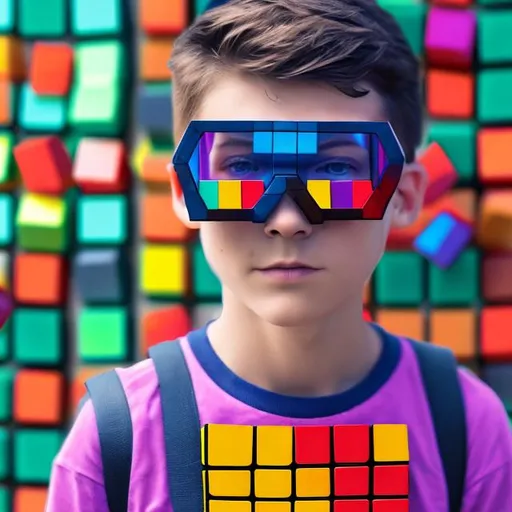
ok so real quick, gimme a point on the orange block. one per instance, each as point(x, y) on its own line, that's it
point(495, 328)
point(38, 397)
point(51, 68)
point(493, 155)
point(77, 389)
point(441, 173)
point(154, 169)
point(39, 279)
point(30, 499)
point(455, 329)
point(497, 277)
point(159, 18)
point(495, 222)
point(6, 102)
point(402, 322)
point(155, 54)
point(450, 94)
point(12, 59)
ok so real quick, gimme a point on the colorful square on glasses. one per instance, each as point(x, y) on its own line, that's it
point(234, 170)
point(346, 468)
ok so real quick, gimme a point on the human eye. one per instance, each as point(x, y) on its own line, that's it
point(336, 168)
point(239, 166)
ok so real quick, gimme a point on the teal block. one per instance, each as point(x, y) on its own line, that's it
point(200, 6)
point(493, 95)
point(399, 279)
point(5, 499)
point(494, 27)
point(6, 389)
point(5, 338)
point(96, 17)
point(206, 284)
point(102, 334)
point(5, 456)
point(42, 19)
point(6, 23)
point(102, 220)
point(6, 219)
point(34, 451)
point(38, 336)
point(457, 285)
point(100, 62)
point(41, 113)
point(458, 139)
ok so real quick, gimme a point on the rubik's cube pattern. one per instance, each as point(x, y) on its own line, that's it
point(346, 468)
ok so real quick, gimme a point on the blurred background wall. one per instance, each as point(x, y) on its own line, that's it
point(98, 274)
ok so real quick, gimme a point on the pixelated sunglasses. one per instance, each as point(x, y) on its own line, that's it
point(241, 170)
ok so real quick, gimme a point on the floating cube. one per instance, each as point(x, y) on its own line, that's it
point(158, 18)
point(6, 220)
point(7, 167)
point(44, 164)
point(42, 19)
point(12, 59)
point(154, 109)
point(493, 26)
point(493, 93)
point(41, 113)
point(495, 222)
point(51, 68)
point(100, 63)
point(494, 165)
point(8, 102)
point(42, 223)
point(97, 17)
point(7, 20)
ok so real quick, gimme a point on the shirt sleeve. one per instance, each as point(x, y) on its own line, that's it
point(76, 481)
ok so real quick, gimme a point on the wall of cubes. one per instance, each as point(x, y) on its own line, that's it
point(102, 270)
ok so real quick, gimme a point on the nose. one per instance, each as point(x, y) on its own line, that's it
point(288, 221)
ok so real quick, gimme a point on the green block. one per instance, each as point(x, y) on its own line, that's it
point(102, 334)
point(458, 139)
point(6, 219)
point(200, 6)
point(34, 451)
point(102, 220)
point(100, 63)
point(8, 172)
point(206, 284)
point(5, 336)
point(38, 336)
point(72, 141)
point(96, 17)
point(209, 191)
point(493, 3)
point(494, 27)
point(6, 25)
point(493, 95)
point(399, 279)
point(39, 19)
point(6, 390)
point(5, 456)
point(98, 109)
point(5, 499)
point(411, 18)
point(457, 285)
point(42, 223)
point(41, 113)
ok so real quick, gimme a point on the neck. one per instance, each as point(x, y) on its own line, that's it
point(318, 359)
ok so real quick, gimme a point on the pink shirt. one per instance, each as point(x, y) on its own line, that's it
point(391, 393)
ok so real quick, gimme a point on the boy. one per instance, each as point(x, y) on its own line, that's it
point(290, 346)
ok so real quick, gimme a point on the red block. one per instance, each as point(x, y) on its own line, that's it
point(351, 506)
point(351, 444)
point(51, 68)
point(391, 505)
point(44, 164)
point(101, 166)
point(251, 193)
point(391, 480)
point(361, 192)
point(352, 481)
point(312, 445)
point(6, 307)
point(442, 175)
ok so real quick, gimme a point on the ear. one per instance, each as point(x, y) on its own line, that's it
point(178, 202)
point(408, 199)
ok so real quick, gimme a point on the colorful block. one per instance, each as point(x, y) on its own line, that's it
point(492, 27)
point(493, 88)
point(409, 323)
point(163, 270)
point(452, 48)
point(154, 58)
point(390, 443)
point(499, 378)
point(12, 59)
point(5, 273)
point(450, 94)
point(7, 21)
point(456, 330)
point(8, 102)
point(497, 277)
point(495, 222)
point(101, 166)
point(154, 109)
point(42, 20)
point(163, 19)
point(29, 498)
point(96, 17)
point(230, 195)
point(493, 148)
point(102, 220)
point(44, 164)
point(444, 239)
point(494, 321)
point(6, 392)
point(205, 283)
point(7, 167)
point(100, 63)
point(42, 223)
point(6, 220)
point(51, 68)
point(6, 306)
point(154, 169)
point(41, 113)
point(5, 456)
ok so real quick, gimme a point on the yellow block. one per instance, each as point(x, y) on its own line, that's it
point(390, 443)
point(273, 483)
point(273, 506)
point(320, 190)
point(230, 506)
point(230, 445)
point(4, 271)
point(230, 194)
point(274, 446)
point(12, 61)
point(163, 270)
point(142, 149)
point(41, 210)
point(313, 483)
point(312, 506)
point(224, 484)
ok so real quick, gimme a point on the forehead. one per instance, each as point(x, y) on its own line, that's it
point(251, 98)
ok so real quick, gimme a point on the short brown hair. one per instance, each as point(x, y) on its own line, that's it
point(339, 42)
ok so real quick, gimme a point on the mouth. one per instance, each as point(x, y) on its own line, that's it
point(291, 265)
point(288, 271)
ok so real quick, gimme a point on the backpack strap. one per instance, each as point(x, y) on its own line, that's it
point(182, 428)
point(439, 368)
point(114, 424)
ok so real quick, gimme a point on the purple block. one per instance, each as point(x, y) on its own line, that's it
point(341, 194)
point(450, 37)
point(454, 244)
point(6, 307)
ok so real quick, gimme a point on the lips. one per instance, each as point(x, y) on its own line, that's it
point(293, 265)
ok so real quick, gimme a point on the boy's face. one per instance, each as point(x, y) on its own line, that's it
point(340, 256)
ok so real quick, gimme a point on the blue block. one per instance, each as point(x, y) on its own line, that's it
point(154, 110)
point(307, 143)
point(6, 219)
point(285, 143)
point(96, 17)
point(432, 238)
point(262, 142)
point(6, 16)
point(41, 113)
